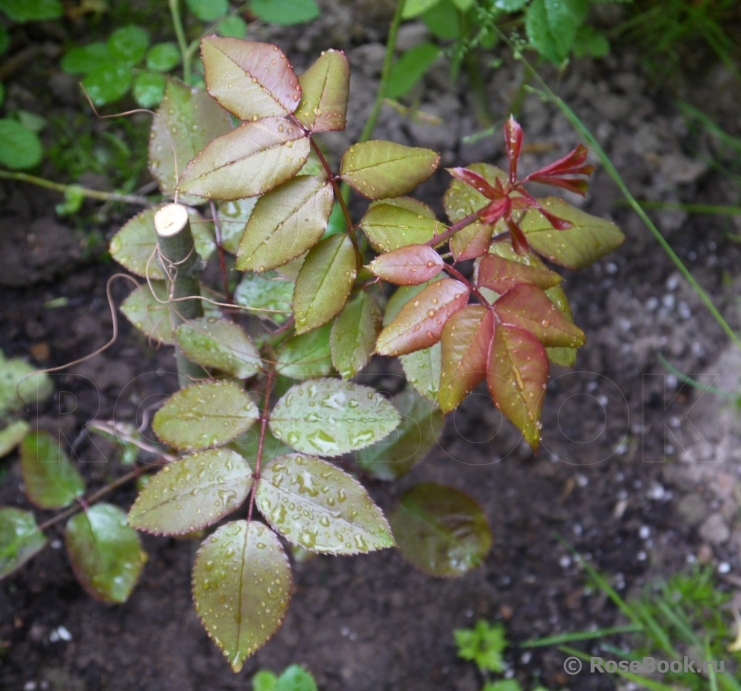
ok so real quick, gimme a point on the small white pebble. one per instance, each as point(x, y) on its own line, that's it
point(657, 492)
point(684, 310)
point(29, 686)
point(724, 567)
point(469, 613)
point(674, 421)
point(56, 544)
point(582, 480)
point(625, 325)
point(611, 268)
point(644, 532)
point(668, 301)
point(526, 657)
point(671, 381)
point(592, 386)
point(673, 282)
point(697, 349)
point(578, 530)
point(669, 449)
point(603, 401)
point(565, 561)
point(641, 556)
point(691, 559)
point(652, 303)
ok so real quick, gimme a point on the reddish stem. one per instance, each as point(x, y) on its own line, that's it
point(456, 227)
point(220, 248)
point(264, 419)
point(460, 277)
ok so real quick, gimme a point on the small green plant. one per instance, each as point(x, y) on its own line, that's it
point(269, 371)
point(685, 618)
point(554, 28)
point(294, 678)
point(485, 645)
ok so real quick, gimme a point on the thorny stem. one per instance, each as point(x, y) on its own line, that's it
point(341, 199)
point(93, 498)
point(220, 249)
point(64, 189)
point(177, 23)
point(264, 418)
point(388, 64)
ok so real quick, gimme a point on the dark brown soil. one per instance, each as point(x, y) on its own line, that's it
point(373, 622)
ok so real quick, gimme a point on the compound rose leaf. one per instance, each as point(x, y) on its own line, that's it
point(329, 417)
point(337, 514)
point(390, 226)
point(379, 169)
point(466, 340)
point(500, 274)
point(251, 80)
point(248, 161)
point(241, 588)
point(326, 86)
point(205, 414)
point(20, 539)
point(408, 265)
point(517, 377)
point(420, 322)
point(528, 307)
point(192, 493)
point(285, 223)
point(440, 530)
point(354, 334)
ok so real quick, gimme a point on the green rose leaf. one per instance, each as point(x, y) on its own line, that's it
point(12, 435)
point(150, 312)
point(149, 88)
point(565, 357)
point(307, 355)
point(379, 169)
point(337, 515)
point(391, 224)
point(325, 86)
point(107, 82)
point(208, 10)
point(128, 45)
point(472, 241)
point(422, 370)
point(285, 12)
point(163, 57)
point(20, 148)
point(32, 10)
point(105, 552)
point(187, 120)
point(590, 238)
point(233, 217)
point(84, 59)
point(134, 245)
point(20, 386)
point(241, 588)
point(51, 481)
point(250, 160)
point(20, 539)
point(203, 415)
point(420, 430)
point(264, 681)
point(285, 223)
point(410, 68)
point(269, 294)
point(443, 20)
point(324, 282)
point(517, 378)
point(440, 530)
point(329, 417)
point(420, 322)
point(354, 334)
point(220, 344)
point(192, 493)
point(251, 80)
point(466, 342)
